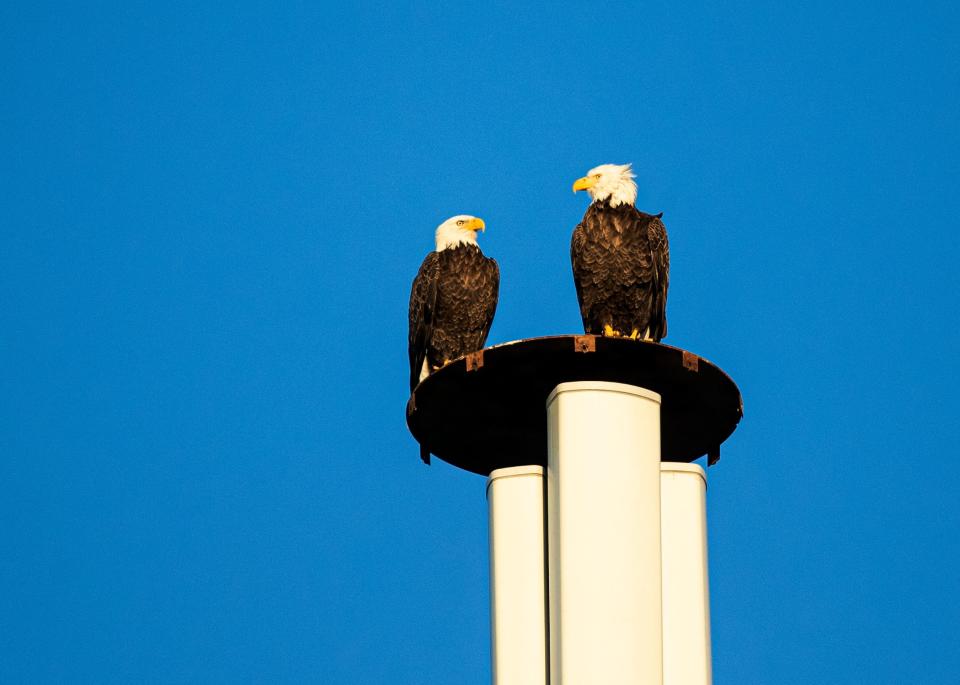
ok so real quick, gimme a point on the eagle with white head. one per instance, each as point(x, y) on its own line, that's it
point(620, 258)
point(452, 301)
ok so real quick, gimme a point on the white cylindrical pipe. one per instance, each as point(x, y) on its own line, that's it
point(686, 591)
point(518, 620)
point(603, 521)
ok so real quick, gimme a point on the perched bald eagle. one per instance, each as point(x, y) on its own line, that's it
point(621, 259)
point(452, 301)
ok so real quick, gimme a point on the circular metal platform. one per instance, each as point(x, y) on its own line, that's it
point(486, 411)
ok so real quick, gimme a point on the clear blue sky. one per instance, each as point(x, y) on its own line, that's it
point(211, 217)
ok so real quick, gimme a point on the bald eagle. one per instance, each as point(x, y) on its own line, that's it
point(621, 259)
point(452, 301)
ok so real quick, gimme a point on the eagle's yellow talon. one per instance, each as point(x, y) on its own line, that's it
point(634, 334)
point(608, 331)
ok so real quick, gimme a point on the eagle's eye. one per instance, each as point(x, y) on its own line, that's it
point(460, 223)
point(596, 175)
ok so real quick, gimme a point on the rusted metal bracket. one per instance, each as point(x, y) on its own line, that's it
point(691, 362)
point(585, 343)
point(474, 360)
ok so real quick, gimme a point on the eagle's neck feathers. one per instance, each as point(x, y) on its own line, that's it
point(452, 236)
point(623, 193)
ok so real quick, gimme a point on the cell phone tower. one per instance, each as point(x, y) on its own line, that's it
point(598, 546)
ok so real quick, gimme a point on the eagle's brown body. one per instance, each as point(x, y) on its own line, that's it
point(621, 267)
point(452, 303)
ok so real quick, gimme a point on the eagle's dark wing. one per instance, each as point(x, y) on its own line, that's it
point(423, 298)
point(660, 257)
point(576, 260)
point(492, 293)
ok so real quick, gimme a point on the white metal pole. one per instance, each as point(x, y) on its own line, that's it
point(686, 591)
point(517, 584)
point(603, 522)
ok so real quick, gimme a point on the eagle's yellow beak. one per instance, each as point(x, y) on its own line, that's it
point(584, 183)
point(475, 224)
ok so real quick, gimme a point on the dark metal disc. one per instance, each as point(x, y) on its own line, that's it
point(487, 410)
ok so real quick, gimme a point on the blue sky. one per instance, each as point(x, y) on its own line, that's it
point(211, 217)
